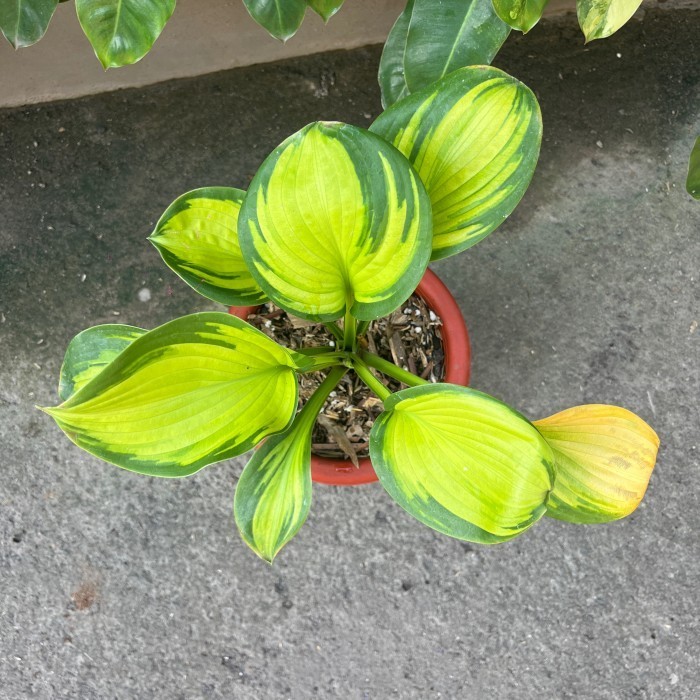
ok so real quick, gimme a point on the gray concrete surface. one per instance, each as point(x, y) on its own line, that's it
point(119, 586)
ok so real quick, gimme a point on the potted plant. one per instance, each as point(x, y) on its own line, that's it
point(337, 228)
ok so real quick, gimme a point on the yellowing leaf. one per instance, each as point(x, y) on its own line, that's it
point(462, 462)
point(336, 218)
point(197, 237)
point(601, 18)
point(604, 456)
point(474, 138)
point(194, 391)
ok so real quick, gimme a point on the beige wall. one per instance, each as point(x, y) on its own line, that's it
point(203, 36)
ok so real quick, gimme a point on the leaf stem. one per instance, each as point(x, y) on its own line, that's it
point(365, 374)
point(315, 403)
point(362, 327)
point(335, 330)
point(391, 370)
point(350, 334)
point(312, 362)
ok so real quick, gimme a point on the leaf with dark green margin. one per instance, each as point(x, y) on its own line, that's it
point(462, 462)
point(444, 35)
point(123, 31)
point(604, 456)
point(273, 495)
point(336, 218)
point(24, 22)
point(281, 18)
point(692, 184)
point(392, 80)
point(192, 392)
point(90, 352)
point(474, 138)
point(520, 14)
point(601, 18)
point(197, 237)
point(325, 8)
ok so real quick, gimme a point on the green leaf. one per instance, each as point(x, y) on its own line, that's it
point(336, 218)
point(194, 391)
point(445, 35)
point(520, 14)
point(197, 237)
point(462, 462)
point(325, 8)
point(90, 352)
point(604, 456)
point(281, 18)
point(123, 31)
point(392, 80)
point(601, 18)
point(24, 22)
point(692, 184)
point(474, 138)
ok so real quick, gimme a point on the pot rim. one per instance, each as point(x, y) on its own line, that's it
point(457, 349)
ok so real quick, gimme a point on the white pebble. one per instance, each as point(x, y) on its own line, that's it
point(144, 294)
point(331, 343)
point(433, 316)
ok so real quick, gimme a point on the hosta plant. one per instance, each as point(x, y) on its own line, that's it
point(338, 226)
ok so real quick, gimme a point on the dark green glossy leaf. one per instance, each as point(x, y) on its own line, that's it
point(692, 184)
point(90, 352)
point(24, 22)
point(520, 14)
point(325, 8)
point(392, 80)
point(444, 35)
point(281, 18)
point(123, 31)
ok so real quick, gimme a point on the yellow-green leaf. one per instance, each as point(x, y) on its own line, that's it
point(90, 352)
point(123, 31)
point(24, 22)
point(194, 391)
point(474, 138)
point(692, 183)
point(604, 456)
point(520, 14)
point(462, 462)
point(601, 18)
point(197, 237)
point(336, 218)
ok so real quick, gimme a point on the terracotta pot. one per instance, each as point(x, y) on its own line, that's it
point(455, 343)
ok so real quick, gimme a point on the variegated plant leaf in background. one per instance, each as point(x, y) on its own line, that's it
point(604, 456)
point(336, 218)
point(520, 14)
point(123, 31)
point(192, 392)
point(273, 495)
point(90, 352)
point(281, 18)
point(601, 18)
point(462, 462)
point(325, 8)
point(692, 183)
point(24, 22)
point(197, 237)
point(474, 138)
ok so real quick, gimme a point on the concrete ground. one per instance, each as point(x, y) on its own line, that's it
point(119, 586)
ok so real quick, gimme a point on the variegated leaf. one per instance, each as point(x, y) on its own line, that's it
point(520, 14)
point(474, 138)
point(197, 237)
point(604, 456)
point(462, 462)
point(325, 8)
point(194, 391)
point(601, 18)
point(123, 31)
point(90, 352)
point(336, 218)
point(24, 22)
point(281, 18)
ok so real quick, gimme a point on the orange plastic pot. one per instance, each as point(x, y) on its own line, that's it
point(455, 345)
